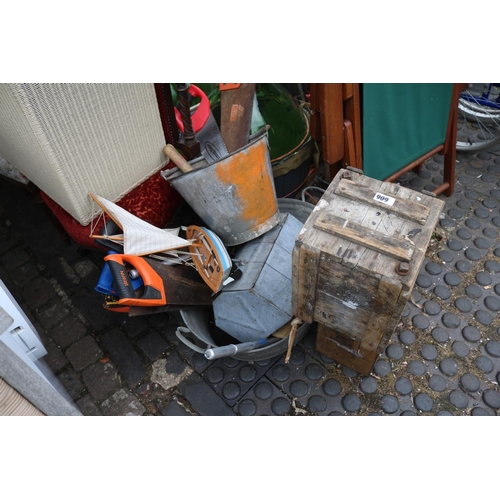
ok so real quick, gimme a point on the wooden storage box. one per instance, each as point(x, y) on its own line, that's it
point(355, 263)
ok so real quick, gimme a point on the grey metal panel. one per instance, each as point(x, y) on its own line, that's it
point(260, 302)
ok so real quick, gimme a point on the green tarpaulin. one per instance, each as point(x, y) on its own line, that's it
point(401, 122)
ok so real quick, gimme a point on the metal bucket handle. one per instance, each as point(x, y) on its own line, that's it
point(183, 330)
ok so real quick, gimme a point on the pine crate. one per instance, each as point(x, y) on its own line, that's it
point(355, 263)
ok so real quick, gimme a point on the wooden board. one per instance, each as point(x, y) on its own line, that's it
point(343, 349)
point(386, 302)
point(304, 271)
point(344, 298)
point(236, 115)
point(403, 207)
point(356, 233)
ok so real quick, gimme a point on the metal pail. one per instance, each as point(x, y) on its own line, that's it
point(235, 197)
point(198, 320)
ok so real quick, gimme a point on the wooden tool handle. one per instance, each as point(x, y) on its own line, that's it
point(177, 158)
point(236, 115)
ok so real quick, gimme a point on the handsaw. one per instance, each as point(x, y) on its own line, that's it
point(204, 127)
point(153, 293)
point(184, 288)
point(236, 113)
point(177, 286)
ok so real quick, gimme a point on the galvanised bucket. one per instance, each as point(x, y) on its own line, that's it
point(235, 197)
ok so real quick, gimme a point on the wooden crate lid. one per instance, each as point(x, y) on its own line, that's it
point(377, 227)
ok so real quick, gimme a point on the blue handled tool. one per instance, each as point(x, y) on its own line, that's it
point(105, 285)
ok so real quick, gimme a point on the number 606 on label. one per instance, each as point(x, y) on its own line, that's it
point(383, 198)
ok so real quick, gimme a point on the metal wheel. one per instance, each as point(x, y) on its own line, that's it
point(478, 117)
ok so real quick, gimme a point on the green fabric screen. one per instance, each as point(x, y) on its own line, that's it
point(401, 122)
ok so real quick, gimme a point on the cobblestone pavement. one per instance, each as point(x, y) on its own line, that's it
point(443, 358)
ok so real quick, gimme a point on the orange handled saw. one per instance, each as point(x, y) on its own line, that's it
point(154, 289)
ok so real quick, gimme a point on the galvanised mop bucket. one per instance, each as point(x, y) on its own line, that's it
point(198, 320)
point(235, 197)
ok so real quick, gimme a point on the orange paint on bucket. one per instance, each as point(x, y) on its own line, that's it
point(254, 188)
point(235, 197)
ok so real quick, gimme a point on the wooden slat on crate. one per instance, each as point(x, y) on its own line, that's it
point(305, 268)
point(398, 249)
point(342, 300)
point(387, 299)
point(389, 223)
point(343, 349)
point(404, 208)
